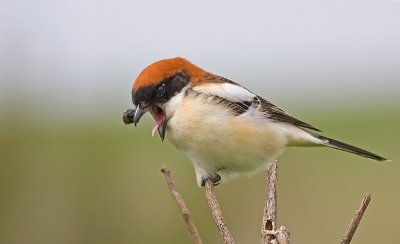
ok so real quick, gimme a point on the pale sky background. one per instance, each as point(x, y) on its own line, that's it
point(79, 55)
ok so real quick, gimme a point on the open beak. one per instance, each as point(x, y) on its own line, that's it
point(133, 116)
point(161, 121)
point(138, 114)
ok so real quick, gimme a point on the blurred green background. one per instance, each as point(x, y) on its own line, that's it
point(71, 172)
point(98, 181)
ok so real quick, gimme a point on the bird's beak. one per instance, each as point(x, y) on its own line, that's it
point(161, 121)
point(161, 129)
point(138, 114)
point(133, 116)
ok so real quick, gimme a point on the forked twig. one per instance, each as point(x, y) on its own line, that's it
point(269, 234)
point(346, 239)
point(194, 234)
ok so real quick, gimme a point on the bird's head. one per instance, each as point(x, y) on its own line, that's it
point(154, 88)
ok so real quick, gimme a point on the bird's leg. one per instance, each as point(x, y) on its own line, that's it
point(215, 178)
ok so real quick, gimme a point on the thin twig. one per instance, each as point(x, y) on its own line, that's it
point(269, 234)
point(270, 212)
point(217, 213)
point(356, 220)
point(282, 235)
point(194, 234)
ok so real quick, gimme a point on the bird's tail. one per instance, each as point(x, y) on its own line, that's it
point(348, 148)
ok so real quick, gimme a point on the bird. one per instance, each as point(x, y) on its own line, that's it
point(222, 128)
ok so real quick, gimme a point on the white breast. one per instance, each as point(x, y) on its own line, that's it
point(217, 142)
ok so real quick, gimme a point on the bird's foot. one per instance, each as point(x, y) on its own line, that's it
point(216, 179)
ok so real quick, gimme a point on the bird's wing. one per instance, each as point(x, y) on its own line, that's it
point(239, 100)
point(274, 112)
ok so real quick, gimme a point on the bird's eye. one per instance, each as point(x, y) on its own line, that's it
point(160, 90)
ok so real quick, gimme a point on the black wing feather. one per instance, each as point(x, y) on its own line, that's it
point(270, 110)
point(237, 108)
point(274, 112)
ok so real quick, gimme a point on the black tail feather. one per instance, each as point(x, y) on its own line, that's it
point(349, 148)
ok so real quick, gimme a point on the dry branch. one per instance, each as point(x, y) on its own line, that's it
point(356, 220)
point(269, 234)
point(194, 234)
point(217, 213)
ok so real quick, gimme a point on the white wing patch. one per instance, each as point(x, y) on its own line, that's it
point(228, 91)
